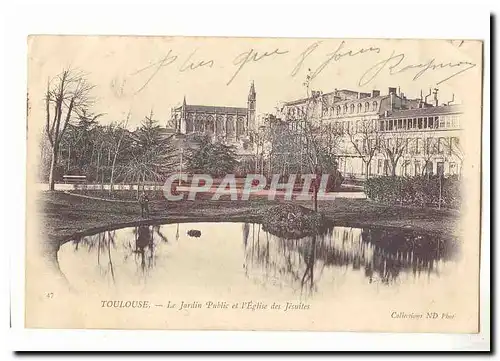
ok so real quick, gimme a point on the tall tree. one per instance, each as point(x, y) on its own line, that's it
point(394, 148)
point(67, 93)
point(152, 154)
point(116, 141)
point(216, 159)
point(365, 137)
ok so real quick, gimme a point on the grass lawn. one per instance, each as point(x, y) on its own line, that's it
point(62, 215)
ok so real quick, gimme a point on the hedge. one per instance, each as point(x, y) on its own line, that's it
point(420, 191)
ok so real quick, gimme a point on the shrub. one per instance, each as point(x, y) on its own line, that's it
point(420, 191)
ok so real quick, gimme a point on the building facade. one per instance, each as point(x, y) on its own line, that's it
point(390, 134)
point(231, 125)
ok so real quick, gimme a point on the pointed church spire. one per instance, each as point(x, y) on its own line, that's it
point(251, 93)
point(184, 101)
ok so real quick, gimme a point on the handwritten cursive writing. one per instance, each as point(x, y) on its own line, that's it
point(338, 54)
point(394, 64)
point(168, 59)
point(189, 65)
point(252, 56)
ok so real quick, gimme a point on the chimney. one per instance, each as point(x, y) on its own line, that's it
point(375, 93)
point(428, 95)
point(436, 102)
point(452, 99)
point(392, 90)
point(359, 95)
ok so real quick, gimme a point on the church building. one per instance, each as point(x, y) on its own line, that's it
point(231, 125)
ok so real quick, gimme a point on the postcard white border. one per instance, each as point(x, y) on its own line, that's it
point(262, 18)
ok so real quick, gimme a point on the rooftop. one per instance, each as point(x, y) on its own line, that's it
point(367, 98)
point(213, 109)
point(442, 109)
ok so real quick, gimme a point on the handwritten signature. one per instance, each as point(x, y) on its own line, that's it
point(394, 64)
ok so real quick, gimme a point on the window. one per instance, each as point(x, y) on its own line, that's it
point(454, 144)
point(359, 107)
point(367, 106)
point(417, 168)
point(440, 145)
point(448, 121)
point(351, 108)
point(389, 124)
point(414, 122)
point(420, 123)
point(375, 105)
point(338, 109)
point(345, 108)
point(455, 121)
point(382, 125)
point(453, 168)
point(400, 123)
point(440, 168)
point(379, 166)
point(442, 121)
point(428, 146)
point(429, 167)
point(405, 123)
point(417, 145)
point(410, 123)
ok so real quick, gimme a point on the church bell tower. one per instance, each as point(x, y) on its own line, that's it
point(252, 100)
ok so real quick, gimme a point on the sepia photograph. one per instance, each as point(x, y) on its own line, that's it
point(232, 183)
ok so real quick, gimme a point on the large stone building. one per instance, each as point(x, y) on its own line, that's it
point(383, 134)
point(231, 125)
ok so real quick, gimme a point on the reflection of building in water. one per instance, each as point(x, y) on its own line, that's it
point(381, 256)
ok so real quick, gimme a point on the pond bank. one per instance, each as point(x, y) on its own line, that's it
point(64, 216)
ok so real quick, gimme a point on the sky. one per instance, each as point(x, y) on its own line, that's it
point(140, 74)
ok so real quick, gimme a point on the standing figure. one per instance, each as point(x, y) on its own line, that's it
point(144, 201)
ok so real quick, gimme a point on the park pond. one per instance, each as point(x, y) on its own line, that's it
point(227, 259)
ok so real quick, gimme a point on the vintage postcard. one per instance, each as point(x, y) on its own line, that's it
point(212, 183)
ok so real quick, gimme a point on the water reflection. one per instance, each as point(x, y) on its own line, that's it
point(382, 256)
point(340, 257)
point(140, 245)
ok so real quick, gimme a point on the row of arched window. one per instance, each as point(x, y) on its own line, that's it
point(210, 126)
point(338, 110)
point(358, 108)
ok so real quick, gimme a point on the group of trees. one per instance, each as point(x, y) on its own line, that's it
point(75, 143)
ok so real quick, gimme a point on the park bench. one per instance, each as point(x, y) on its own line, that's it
point(74, 179)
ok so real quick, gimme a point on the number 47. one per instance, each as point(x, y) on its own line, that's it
point(49, 295)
